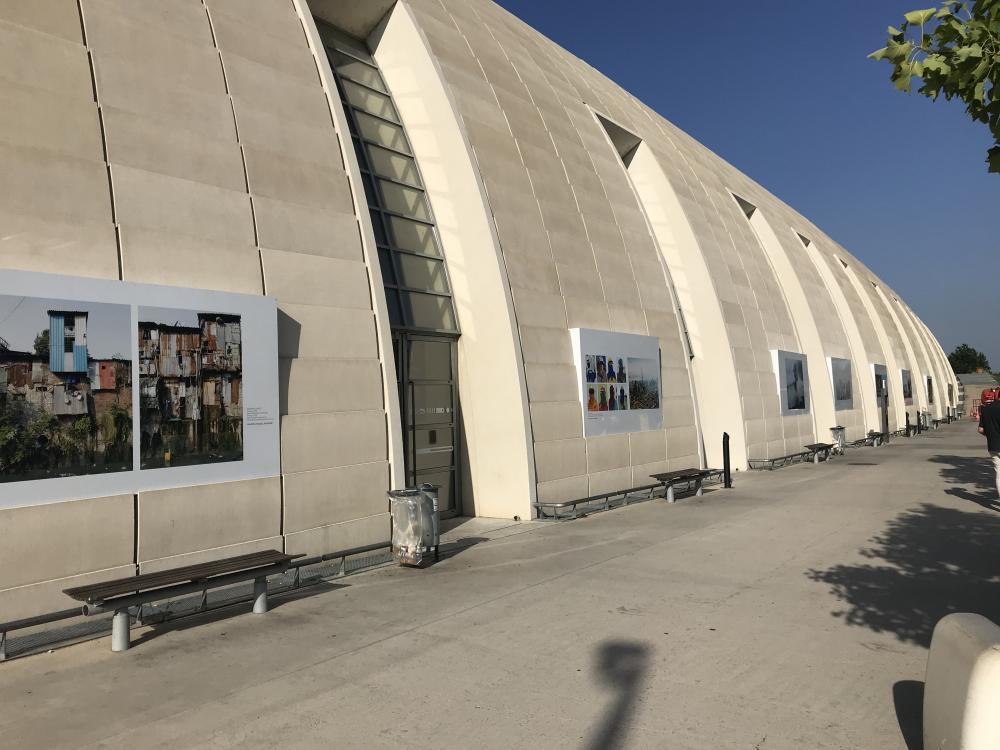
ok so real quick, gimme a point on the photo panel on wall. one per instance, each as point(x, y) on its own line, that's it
point(842, 377)
point(620, 381)
point(109, 387)
point(793, 381)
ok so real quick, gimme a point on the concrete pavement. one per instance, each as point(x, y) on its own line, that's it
point(793, 611)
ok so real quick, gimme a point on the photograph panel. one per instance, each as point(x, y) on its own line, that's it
point(65, 388)
point(843, 383)
point(190, 387)
point(643, 383)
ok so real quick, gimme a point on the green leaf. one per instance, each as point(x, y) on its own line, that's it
point(879, 53)
point(895, 33)
point(979, 93)
point(970, 50)
point(920, 16)
point(936, 63)
point(993, 159)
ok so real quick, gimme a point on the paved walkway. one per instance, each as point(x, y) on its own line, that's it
point(793, 611)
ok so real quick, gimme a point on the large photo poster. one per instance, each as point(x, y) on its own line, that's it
point(842, 377)
point(793, 381)
point(108, 387)
point(65, 388)
point(620, 381)
point(907, 386)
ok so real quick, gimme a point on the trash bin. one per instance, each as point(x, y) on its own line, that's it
point(839, 441)
point(414, 525)
point(431, 493)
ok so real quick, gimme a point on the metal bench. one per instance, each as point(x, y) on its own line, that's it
point(819, 449)
point(121, 593)
point(604, 501)
point(685, 476)
point(778, 462)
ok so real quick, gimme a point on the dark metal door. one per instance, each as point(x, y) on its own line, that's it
point(428, 399)
point(882, 394)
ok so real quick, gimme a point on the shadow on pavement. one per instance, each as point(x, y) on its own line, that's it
point(621, 666)
point(927, 563)
point(974, 471)
point(908, 697)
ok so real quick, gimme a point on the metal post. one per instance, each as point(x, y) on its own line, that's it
point(727, 473)
point(260, 595)
point(119, 630)
point(907, 424)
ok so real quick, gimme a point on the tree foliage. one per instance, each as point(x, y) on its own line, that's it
point(955, 52)
point(967, 359)
point(42, 344)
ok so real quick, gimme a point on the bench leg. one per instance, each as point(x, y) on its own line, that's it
point(259, 595)
point(670, 493)
point(816, 457)
point(698, 491)
point(119, 630)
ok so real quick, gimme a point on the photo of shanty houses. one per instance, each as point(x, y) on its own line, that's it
point(190, 386)
point(65, 388)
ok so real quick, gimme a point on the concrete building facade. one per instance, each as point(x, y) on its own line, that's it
point(436, 195)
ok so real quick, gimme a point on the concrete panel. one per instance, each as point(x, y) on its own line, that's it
point(185, 64)
point(313, 280)
point(276, 176)
point(326, 441)
point(962, 684)
point(329, 385)
point(208, 555)
point(51, 243)
point(535, 309)
point(648, 447)
point(546, 345)
point(317, 145)
point(250, 37)
point(184, 19)
point(611, 481)
point(169, 204)
point(571, 488)
point(346, 535)
point(551, 382)
point(189, 519)
point(41, 182)
point(152, 93)
point(38, 60)
point(58, 540)
point(329, 496)
point(146, 143)
point(279, 18)
point(154, 257)
point(326, 332)
point(41, 119)
point(276, 92)
point(289, 226)
point(608, 452)
point(48, 596)
point(556, 420)
point(560, 459)
point(56, 17)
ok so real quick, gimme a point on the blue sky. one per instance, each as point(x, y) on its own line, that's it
point(782, 90)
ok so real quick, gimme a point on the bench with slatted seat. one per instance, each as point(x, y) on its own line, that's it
point(685, 476)
point(121, 593)
point(819, 449)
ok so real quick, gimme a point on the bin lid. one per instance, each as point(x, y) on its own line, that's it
point(427, 486)
point(408, 492)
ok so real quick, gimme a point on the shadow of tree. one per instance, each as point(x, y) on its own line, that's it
point(975, 471)
point(621, 666)
point(931, 561)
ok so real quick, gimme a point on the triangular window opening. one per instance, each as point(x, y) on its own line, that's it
point(804, 240)
point(625, 143)
point(748, 208)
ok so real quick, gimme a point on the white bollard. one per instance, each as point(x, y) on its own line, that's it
point(119, 631)
point(259, 596)
point(962, 688)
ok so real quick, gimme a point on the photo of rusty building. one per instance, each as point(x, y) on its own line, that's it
point(190, 381)
point(62, 412)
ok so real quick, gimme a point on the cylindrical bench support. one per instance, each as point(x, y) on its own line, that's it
point(259, 595)
point(120, 630)
point(670, 493)
point(698, 490)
